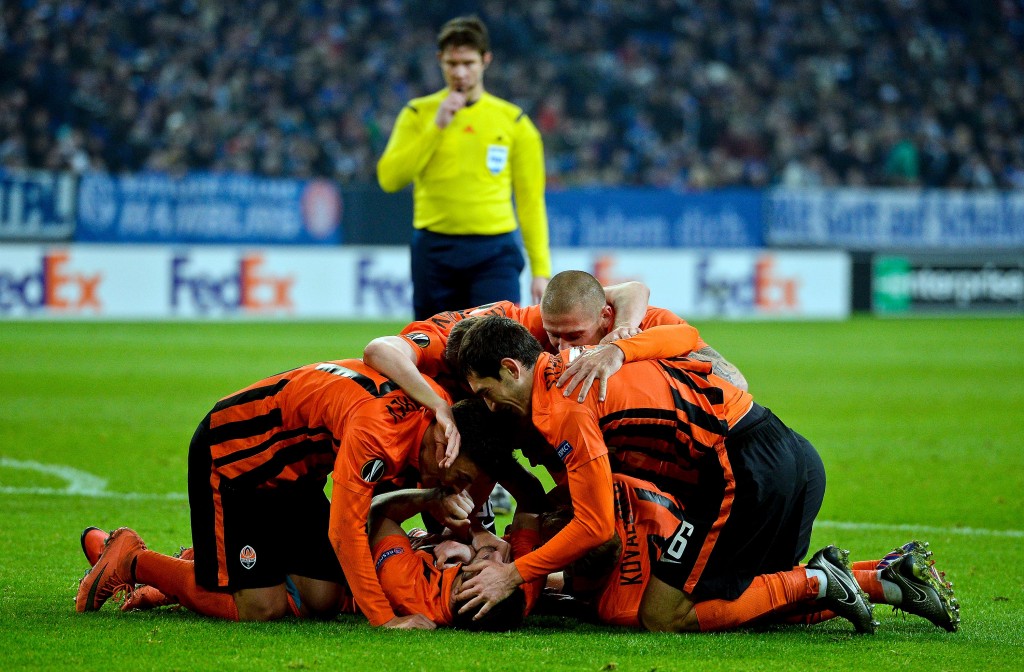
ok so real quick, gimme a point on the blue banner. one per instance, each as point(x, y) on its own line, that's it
point(36, 205)
point(642, 218)
point(207, 208)
point(881, 219)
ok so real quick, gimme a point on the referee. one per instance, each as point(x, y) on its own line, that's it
point(467, 154)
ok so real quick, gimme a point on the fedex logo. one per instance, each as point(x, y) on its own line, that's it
point(55, 287)
point(247, 288)
point(390, 293)
point(762, 291)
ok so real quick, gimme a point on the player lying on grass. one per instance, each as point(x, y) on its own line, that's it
point(613, 577)
point(751, 486)
point(258, 465)
point(421, 582)
point(575, 310)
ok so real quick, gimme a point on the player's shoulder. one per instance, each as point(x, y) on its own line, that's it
point(658, 316)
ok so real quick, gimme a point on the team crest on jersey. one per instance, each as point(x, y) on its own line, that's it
point(419, 338)
point(372, 470)
point(563, 450)
point(497, 157)
point(247, 557)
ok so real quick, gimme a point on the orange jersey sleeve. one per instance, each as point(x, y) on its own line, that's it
point(662, 316)
point(411, 582)
point(523, 542)
point(381, 439)
point(659, 342)
point(572, 430)
point(590, 487)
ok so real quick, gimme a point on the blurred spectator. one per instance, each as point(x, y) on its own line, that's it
point(681, 94)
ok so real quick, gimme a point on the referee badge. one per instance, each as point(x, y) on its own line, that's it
point(497, 157)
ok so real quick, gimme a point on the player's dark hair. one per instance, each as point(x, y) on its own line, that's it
point(464, 31)
point(504, 616)
point(491, 339)
point(451, 347)
point(488, 439)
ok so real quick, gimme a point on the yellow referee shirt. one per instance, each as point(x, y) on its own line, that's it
point(465, 175)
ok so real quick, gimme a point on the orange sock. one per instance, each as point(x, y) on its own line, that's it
point(864, 564)
point(767, 593)
point(869, 583)
point(802, 617)
point(176, 578)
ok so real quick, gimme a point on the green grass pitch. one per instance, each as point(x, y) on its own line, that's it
point(919, 423)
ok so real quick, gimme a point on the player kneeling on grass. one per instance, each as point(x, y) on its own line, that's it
point(614, 578)
point(268, 543)
point(421, 582)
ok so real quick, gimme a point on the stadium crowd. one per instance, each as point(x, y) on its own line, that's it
point(670, 93)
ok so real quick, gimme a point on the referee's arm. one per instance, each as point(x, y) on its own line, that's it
point(410, 146)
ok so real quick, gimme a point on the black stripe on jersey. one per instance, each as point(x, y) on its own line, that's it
point(412, 108)
point(521, 115)
point(243, 429)
point(296, 452)
point(362, 380)
point(699, 417)
point(680, 456)
point(254, 394)
point(260, 447)
point(680, 489)
point(661, 500)
point(662, 432)
point(713, 394)
point(631, 413)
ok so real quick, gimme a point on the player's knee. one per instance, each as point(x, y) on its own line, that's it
point(262, 604)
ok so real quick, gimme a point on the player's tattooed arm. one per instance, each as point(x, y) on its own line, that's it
point(721, 367)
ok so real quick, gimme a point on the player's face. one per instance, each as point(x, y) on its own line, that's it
point(501, 394)
point(463, 68)
point(460, 475)
point(578, 327)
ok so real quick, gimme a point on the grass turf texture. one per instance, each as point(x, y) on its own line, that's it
point(918, 422)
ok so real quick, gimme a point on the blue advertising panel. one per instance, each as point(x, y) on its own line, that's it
point(207, 208)
point(645, 218)
point(879, 219)
point(36, 205)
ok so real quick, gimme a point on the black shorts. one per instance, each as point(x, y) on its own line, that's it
point(246, 537)
point(779, 488)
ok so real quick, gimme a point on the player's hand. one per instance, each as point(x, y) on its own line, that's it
point(453, 102)
point(447, 439)
point(600, 363)
point(619, 333)
point(492, 584)
point(537, 287)
point(411, 622)
point(454, 510)
point(482, 537)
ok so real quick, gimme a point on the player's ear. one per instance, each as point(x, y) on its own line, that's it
point(515, 369)
point(487, 59)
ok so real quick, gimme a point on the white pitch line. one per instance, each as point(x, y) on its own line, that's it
point(920, 529)
point(78, 483)
point(83, 484)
